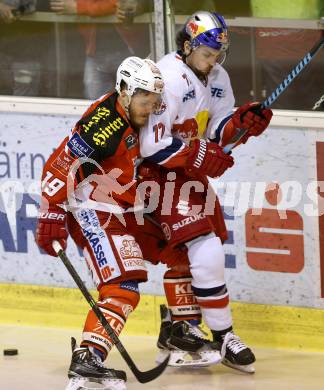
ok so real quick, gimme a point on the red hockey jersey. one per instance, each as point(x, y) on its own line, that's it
point(97, 162)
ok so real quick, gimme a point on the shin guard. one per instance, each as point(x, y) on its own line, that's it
point(116, 302)
point(181, 300)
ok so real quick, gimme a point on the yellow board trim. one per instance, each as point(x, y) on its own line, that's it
point(258, 325)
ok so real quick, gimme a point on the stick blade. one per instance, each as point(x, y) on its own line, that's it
point(148, 376)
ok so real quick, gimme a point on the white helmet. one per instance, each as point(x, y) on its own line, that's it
point(139, 73)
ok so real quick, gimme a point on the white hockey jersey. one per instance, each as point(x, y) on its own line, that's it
point(189, 110)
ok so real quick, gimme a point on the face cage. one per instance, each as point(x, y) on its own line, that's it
point(223, 47)
point(222, 57)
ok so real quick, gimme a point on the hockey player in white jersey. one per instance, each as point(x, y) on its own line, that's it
point(197, 110)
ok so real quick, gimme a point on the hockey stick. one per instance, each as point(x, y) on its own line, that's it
point(278, 91)
point(142, 377)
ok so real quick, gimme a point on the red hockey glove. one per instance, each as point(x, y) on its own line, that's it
point(149, 172)
point(51, 226)
point(252, 118)
point(207, 159)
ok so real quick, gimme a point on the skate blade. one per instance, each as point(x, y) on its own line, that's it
point(247, 369)
point(186, 359)
point(93, 384)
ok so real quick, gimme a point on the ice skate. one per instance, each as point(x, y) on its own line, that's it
point(185, 343)
point(88, 372)
point(236, 354)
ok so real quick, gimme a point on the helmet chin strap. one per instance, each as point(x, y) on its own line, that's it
point(127, 106)
point(184, 55)
point(222, 58)
point(201, 76)
point(125, 102)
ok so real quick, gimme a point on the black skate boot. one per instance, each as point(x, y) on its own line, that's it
point(187, 337)
point(185, 343)
point(86, 368)
point(235, 353)
point(165, 328)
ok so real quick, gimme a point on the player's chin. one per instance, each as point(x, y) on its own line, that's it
point(141, 121)
point(206, 72)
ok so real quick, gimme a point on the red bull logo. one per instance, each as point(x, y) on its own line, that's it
point(222, 37)
point(193, 27)
point(186, 130)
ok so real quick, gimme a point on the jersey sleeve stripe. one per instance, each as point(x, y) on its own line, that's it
point(163, 155)
point(219, 129)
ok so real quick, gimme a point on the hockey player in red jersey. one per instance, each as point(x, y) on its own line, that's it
point(197, 110)
point(88, 190)
point(90, 174)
